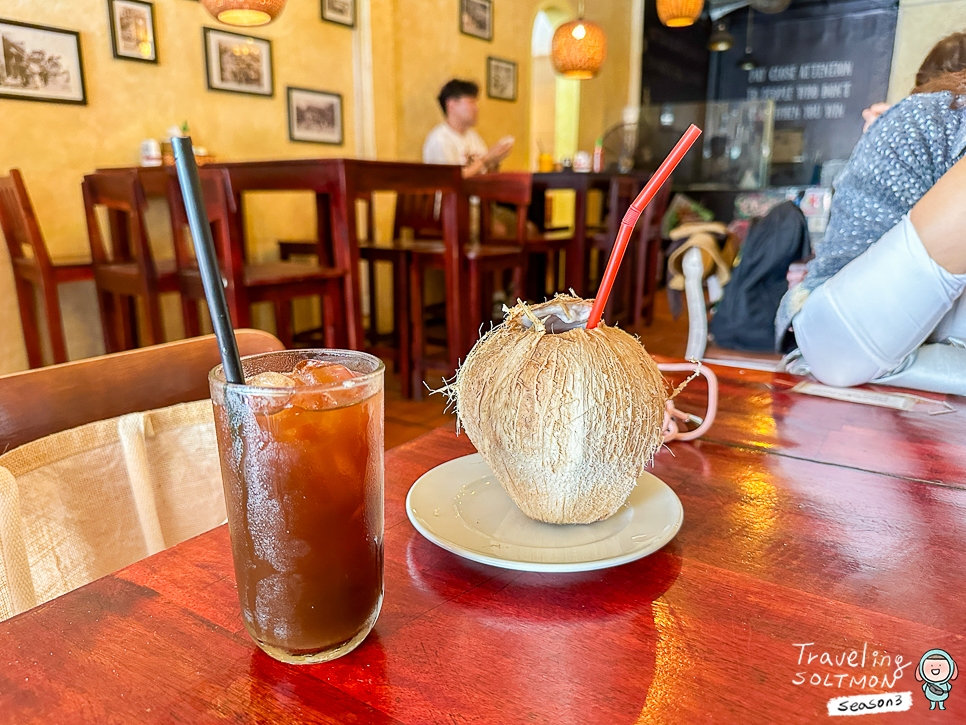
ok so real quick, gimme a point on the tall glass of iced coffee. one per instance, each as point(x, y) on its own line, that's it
point(301, 446)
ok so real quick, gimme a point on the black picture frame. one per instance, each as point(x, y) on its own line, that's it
point(225, 87)
point(467, 19)
point(7, 87)
point(113, 20)
point(332, 19)
point(491, 90)
point(291, 93)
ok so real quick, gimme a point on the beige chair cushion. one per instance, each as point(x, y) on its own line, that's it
point(83, 503)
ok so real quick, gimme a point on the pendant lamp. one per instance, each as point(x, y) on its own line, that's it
point(246, 13)
point(679, 13)
point(748, 61)
point(720, 40)
point(578, 48)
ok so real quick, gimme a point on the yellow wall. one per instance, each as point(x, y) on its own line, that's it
point(129, 101)
point(416, 47)
point(921, 23)
point(602, 99)
point(428, 53)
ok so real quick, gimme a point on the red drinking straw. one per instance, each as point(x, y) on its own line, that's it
point(631, 217)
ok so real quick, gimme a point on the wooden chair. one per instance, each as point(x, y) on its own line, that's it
point(246, 283)
point(648, 258)
point(128, 270)
point(34, 272)
point(482, 261)
point(420, 213)
point(289, 248)
point(543, 249)
point(336, 267)
point(219, 205)
point(37, 403)
point(156, 479)
point(621, 194)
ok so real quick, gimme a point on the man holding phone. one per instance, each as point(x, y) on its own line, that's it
point(454, 141)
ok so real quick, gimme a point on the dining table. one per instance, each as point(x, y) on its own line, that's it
point(820, 558)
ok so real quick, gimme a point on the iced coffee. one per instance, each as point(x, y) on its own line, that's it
point(301, 448)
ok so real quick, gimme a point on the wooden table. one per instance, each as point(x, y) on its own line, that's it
point(789, 548)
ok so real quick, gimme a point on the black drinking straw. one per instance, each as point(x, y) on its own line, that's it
point(194, 204)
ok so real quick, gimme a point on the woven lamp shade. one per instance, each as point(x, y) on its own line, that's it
point(244, 12)
point(578, 49)
point(679, 13)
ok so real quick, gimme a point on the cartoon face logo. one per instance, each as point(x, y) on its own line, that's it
point(936, 671)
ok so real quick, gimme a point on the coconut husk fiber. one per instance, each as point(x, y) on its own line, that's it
point(567, 418)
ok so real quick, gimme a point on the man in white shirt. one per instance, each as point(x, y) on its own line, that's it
point(454, 141)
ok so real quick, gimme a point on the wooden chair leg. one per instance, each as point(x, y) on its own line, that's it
point(373, 303)
point(155, 327)
point(403, 323)
point(190, 313)
point(476, 304)
point(55, 326)
point(355, 335)
point(654, 264)
point(416, 327)
point(128, 333)
point(536, 286)
point(107, 303)
point(283, 321)
point(28, 319)
point(640, 268)
point(328, 318)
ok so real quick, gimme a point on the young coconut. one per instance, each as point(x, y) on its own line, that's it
point(566, 417)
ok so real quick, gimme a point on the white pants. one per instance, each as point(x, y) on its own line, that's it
point(891, 315)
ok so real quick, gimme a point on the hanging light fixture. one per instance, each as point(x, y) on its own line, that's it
point(748, 61)
point(679, 13)
point(720, 40)
point(244, 12)
point(578, 48)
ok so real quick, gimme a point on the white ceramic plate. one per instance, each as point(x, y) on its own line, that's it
point(460, 506)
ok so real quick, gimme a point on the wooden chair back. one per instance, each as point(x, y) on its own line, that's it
point(123, 196)
point(19, 223)
point(654, 212)
point(221, 209)
point(39, 402)
point(648, 263)
point(420, 213)
point(621, 194)
point(514, 188)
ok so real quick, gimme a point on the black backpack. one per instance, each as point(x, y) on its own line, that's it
point(745, 317)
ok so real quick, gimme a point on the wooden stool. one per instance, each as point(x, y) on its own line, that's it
point(247, 283)
point(647, 260)
point(621, 194)
point(543, 249)
point(129, 270)
point(35, 271)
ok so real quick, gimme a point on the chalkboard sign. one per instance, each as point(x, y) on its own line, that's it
point(822, 66)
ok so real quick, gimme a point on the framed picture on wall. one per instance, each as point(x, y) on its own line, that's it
point(501, 79)
point(38, 63)
point(476, 18)
point(238, 63)
point(133, 35)
point(342, 12)
point(314, 116)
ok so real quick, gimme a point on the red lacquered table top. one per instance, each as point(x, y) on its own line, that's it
point(790, 548)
